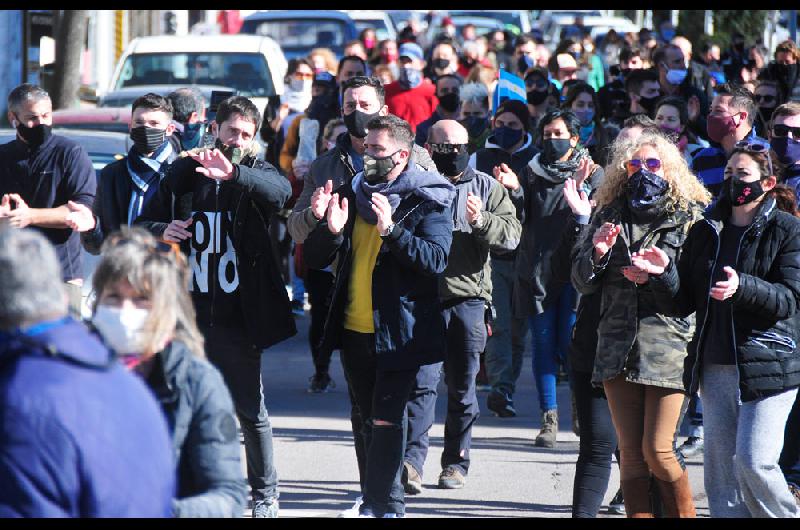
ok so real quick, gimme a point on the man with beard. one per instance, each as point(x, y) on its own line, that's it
point(537, 87)
point(643, 91)
point(447, 92)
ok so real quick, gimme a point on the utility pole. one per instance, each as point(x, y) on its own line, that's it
point(708, 22)
point(70, 35)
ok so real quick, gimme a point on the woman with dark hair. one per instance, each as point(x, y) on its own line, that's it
point(369, 39)
point(549, 305)
point(740, 273)
point(595, 135)
point(672, 115)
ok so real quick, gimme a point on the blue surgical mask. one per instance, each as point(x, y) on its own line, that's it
point(505, 137)
point(585, 115)
point(676, 77)
point(192, 135)
point(410, 77)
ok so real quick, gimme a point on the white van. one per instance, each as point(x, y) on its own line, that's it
point(252, 65)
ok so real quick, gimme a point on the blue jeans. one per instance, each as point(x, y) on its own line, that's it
point(298, 286)
point(505, 347)
point(551, 333)
point(421, 409)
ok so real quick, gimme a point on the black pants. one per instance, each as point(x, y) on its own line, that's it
point(598, 441)
point(380, 396)
point(318, 284)
point(790, 456)
point(240, 365)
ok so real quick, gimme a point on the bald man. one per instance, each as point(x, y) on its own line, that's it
point(483, 218)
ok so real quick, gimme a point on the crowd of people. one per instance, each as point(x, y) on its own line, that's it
point(634, 218)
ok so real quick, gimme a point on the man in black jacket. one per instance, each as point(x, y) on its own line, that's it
point(126, 185)
point(216, 204)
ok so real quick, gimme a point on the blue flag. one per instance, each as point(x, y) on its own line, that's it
point(509, 86)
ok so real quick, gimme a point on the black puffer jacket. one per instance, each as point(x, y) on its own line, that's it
point(766, 321)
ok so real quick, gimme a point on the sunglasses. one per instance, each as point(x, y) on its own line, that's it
point(635, 164)
point(751, 146)
point(447, 148)
point(536, 82)
point(781, 130)
point(765, 98)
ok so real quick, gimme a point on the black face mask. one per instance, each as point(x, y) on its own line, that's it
point(441, 64)
point(34, 136)
point(469, 62)
point(536, 97)
point(449, 102)
point(786, 72)
point(646, 190)
point(357, 121)
point(555, 148)
point(147, 139)
point(234, 154)
point(766, 113)
point(744, 192)
point(451, 164)
point(649, 104)
point(475, 125)
point(523, 63)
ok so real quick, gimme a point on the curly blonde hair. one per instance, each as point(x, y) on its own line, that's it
point(684, 186)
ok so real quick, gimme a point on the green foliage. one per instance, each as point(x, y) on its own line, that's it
point(726, 22)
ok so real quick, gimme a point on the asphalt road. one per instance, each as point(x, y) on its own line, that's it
point(508, 477)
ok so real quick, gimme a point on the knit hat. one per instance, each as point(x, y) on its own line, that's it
point(517, 108)
point(411, 50)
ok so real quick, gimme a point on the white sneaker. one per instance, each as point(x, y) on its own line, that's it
point(352, 512)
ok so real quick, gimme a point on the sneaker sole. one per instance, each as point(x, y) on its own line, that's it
point(450, 486)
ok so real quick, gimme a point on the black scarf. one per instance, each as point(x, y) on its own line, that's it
point(562, 170)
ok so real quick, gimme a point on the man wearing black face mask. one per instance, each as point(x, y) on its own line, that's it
point(125, 186)
point(390, 236)
point(447, 91)
point(44, 177)
point(216, 203)
point(483, 217)
point(767, 98)
point(735, 58)
point(189, 118)
point(537, 87)
point(643, 91)
point(474, 114)
point(784, 69)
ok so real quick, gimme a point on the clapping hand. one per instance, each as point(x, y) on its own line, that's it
point(383, 210)
point(652, 260)
point(474, 208)
point(604, 238)
point(80, 217)
point(724, 289)
point(578, 201)
point(213, 164)
point(506, 176)
point(337, 215)
point(320, 200)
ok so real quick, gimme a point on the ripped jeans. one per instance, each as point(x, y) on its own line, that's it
point(381, 397)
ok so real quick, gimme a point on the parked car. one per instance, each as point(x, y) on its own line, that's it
point(254, 66)
point(107, 119)
point(550, 22)
point(300, 31)
point(377, 20)
point(483, 25)
point(124, 97)
point(519, 19)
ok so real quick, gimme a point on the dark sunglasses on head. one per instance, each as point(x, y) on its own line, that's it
point(781, 130)
point(752, 146)
point(635, 164)
point(765, 98)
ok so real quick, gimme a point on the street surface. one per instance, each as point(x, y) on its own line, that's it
point(508, 477)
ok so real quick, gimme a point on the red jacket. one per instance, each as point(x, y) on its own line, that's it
point(414, 105)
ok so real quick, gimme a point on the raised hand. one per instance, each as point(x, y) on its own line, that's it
point(474, 208)
point(337, 215)
point(177, 231)
point(5, 206)
point(506, 176)
point(585, 168)
point(213, 164)
point(80, 217)
point(320, 199)
point(604, 238)
point(652, 260)
point(724, 289)
point(578, 201)
point(383, 210)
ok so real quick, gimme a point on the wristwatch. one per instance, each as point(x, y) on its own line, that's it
point(388, 230)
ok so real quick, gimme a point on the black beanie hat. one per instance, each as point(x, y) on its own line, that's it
point(517, 108)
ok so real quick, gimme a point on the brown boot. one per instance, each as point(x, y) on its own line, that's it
point(636, 495)
point(676, 497)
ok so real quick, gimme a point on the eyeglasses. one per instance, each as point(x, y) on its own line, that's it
point(765, 98)
point(447, 148)
point(752, 146)
point(635, 164)
point(780, 130)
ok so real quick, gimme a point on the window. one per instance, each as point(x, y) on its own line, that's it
point(304, 33)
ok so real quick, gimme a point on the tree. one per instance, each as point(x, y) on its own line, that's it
point(726, 22)
point(70, 37)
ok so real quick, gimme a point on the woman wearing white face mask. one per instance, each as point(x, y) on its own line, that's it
point(144, 313)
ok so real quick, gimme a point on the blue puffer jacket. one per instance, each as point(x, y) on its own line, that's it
point(201, 417)
point(410, 329)
point(80, 436)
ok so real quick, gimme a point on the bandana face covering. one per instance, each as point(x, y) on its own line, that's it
point(646, 190)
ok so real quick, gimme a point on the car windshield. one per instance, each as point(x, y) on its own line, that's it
point(506, 17)
point(248, 73)
point(378, 25)
point(303, 33)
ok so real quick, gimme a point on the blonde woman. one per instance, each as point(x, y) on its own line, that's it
point(649, 198)
point(144, 313)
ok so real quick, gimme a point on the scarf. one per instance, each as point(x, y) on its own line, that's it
point(562, 170)
point(427, 185)
point(145, 172)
